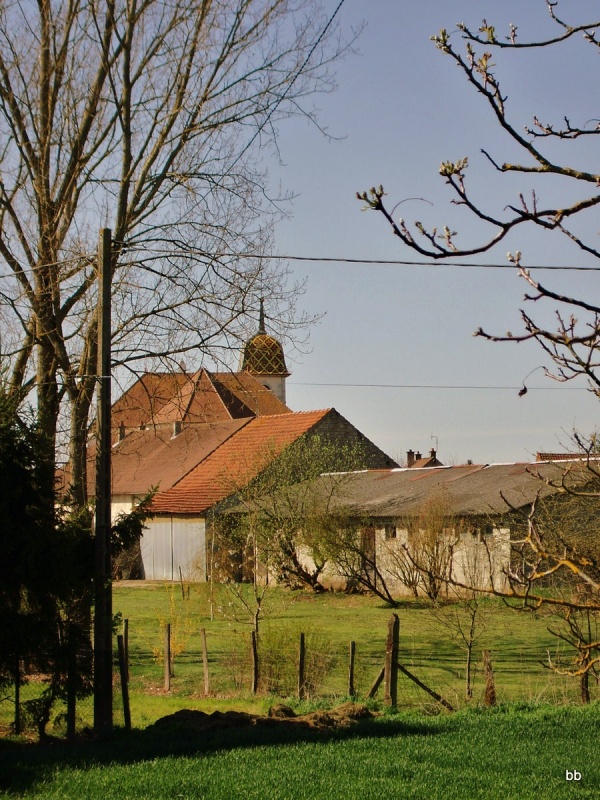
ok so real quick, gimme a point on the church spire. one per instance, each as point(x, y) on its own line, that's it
point(264, 358)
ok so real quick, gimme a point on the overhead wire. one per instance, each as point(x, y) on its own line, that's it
point(156, 253)
point(439, 386)
point(164, 252)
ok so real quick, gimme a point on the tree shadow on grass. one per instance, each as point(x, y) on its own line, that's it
point(23, 765)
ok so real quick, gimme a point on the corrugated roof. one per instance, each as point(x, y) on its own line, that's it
point(468, 490)
point(236, 462)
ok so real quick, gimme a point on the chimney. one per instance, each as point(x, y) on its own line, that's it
point(410, 458)
point(433, 454)
point(418, 456)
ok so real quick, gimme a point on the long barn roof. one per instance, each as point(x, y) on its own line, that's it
point(469, 490)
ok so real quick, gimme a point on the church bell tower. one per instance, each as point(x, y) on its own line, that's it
point(263, 357)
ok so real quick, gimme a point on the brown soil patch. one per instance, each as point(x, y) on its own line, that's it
point(279, 716)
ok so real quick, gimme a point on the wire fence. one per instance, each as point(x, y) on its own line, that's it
point(283, 664)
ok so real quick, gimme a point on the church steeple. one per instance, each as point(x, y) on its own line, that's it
point(264, 358)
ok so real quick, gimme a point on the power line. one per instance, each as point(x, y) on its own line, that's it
point(155, 254)
point(161, 253)
point(440, 386)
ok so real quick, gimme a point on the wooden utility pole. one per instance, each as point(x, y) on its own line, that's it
point(103, 718)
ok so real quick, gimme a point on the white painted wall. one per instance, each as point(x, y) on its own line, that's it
point(121, 504)
point(479, 560)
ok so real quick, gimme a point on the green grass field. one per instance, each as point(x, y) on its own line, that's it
point(522, 749)
point(509, 753)
point(518, 643)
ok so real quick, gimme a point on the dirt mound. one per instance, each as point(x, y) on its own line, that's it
point(281, 715)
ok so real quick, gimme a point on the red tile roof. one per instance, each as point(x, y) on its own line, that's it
point(235, 462)
point(428, 461)
point(563, 457)
point(164, 398)
point(249, 392)
point(145, 399)
point(154, 457)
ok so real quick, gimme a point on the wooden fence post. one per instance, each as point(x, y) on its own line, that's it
point(391, 662)
point(490, 686)
point(167, 657)
point(351, 687)
point(425, 688)
point(376, 684)
point(301, 663)
point(254, 662)
point(204, 659)
point(126, 646)
point(71, 683)
point(124, 679)
point(17, 676)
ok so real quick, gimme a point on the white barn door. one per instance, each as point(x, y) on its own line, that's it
point(168, 544)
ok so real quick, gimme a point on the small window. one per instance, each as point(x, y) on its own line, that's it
point(390, 531)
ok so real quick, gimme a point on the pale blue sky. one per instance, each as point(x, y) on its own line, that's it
point(403, 107)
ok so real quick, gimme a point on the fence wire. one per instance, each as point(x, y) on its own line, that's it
point(225, 670)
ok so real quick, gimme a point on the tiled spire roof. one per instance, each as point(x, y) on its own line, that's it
point(263, 354)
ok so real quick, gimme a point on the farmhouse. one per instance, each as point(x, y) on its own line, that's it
point(473, 510)
point(197, 438)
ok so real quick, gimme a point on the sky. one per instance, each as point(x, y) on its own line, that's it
point(394, 352)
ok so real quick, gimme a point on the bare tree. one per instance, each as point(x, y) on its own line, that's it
point(579, 631)
point(144, 116)
point(351, 546)
point(550, 151)
point(573, 347)
point(428, 548)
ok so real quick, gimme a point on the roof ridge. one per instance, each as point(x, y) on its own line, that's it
point(210, 375)
point(297, 413)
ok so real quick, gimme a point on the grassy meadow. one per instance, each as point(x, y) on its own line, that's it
point(508, 753)
point(429, 646)
point(522, 749)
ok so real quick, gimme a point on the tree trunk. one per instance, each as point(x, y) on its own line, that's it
point(78, 444)
point(469, 687)
point(47, 416)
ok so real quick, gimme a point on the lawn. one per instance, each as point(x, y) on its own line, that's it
point(508, 753)
point(518, 643)
point(523, 749)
